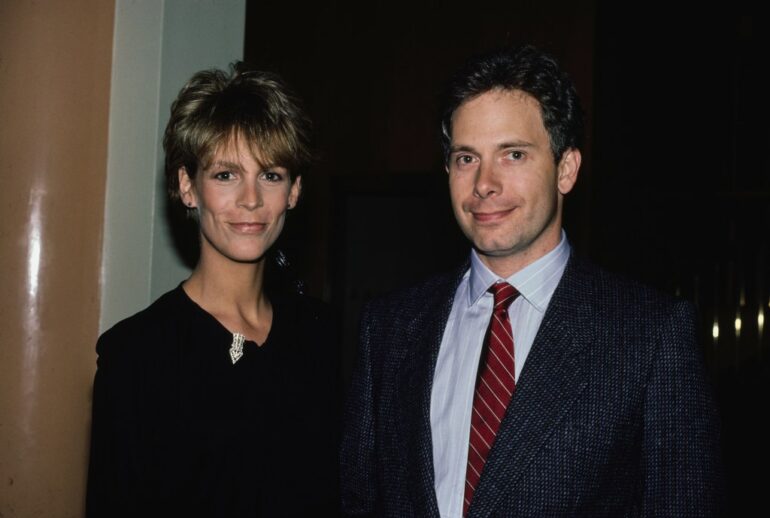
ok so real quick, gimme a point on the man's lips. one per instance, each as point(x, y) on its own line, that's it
point(244, 227)
point(490, 216)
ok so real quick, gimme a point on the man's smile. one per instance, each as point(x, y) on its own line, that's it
point(490, 216)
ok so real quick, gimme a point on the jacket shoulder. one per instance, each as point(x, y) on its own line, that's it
point(614, 290)
point(413, 300)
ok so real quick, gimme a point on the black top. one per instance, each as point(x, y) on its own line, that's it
point(179, 430)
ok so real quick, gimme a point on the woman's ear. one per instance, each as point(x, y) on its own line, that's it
point(294, 192)
point(186, 189)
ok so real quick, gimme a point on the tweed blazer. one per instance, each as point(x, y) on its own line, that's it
point(612, 414)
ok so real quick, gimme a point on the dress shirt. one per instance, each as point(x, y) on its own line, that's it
point(458, 359)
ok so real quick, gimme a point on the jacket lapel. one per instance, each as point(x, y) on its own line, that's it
point(416, 382)
point(554, 375)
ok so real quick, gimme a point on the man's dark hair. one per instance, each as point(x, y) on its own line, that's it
point(529, 70)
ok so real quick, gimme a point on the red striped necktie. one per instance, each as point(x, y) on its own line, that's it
point(494, 387)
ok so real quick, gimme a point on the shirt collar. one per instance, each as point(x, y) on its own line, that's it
point(536, 282)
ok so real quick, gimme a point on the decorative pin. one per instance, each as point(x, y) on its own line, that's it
point(236, 348)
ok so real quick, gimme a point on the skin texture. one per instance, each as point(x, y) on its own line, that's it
point(241, 204)
point(506, 189)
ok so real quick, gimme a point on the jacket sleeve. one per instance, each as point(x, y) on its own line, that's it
point(358, 461)
point(681, 463)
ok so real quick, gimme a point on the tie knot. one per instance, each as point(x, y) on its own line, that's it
point(504, 294)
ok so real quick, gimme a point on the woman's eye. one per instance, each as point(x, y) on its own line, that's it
point(223, 175)
point(272, 176)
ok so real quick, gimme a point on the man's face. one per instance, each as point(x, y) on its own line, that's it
point(505, 187)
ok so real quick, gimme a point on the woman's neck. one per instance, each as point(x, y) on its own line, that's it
point(233, 293)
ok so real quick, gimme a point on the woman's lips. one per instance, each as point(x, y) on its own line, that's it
point(248, 228)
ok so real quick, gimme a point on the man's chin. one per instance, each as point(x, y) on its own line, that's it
point(494, 249)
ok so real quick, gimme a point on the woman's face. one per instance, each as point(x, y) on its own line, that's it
point(241, 204)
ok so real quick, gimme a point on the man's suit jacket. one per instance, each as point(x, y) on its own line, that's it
point(612, 414)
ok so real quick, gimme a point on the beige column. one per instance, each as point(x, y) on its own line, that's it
point(55, 59)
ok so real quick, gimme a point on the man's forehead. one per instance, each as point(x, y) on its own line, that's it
point(508, 117)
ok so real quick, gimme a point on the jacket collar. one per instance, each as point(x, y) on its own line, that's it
point(553, 377)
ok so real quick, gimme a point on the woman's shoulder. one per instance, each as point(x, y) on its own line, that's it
point(144, 327)
point(302, 307)
point(305, 317)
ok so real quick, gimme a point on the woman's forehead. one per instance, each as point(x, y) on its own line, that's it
point(236, 147)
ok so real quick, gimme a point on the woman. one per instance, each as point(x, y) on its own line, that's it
point(219, 399)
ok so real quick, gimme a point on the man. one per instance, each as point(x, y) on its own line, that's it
point(528, 382)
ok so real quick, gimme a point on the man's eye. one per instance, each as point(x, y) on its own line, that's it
point(516, 155)
point(223, 175)
point(464, 159)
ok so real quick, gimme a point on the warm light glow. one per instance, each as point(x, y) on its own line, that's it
point(761, 320)
point(715, 331)
point(33, 252)
point(31, 316)
point(738, 327)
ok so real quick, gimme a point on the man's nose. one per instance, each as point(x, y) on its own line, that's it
point(487, 182)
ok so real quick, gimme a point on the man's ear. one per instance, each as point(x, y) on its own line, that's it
point(568, 170)
point(186, 188)
point(294, 192)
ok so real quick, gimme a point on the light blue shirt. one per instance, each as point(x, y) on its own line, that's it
point(454, 381)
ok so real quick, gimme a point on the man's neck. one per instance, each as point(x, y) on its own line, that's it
point(505, 266)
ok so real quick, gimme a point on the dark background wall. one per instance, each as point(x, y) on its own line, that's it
point(681, 195)
point(674, 189)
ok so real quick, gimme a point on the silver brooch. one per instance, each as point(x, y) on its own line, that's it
point(236, 348)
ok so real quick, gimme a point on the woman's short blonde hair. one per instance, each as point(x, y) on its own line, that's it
point(216, 107)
